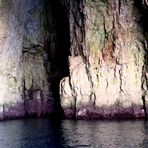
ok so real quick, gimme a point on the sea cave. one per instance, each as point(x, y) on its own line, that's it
point(81, 59)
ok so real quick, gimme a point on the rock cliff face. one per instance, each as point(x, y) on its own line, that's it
point(24, 63)
point(96, 50)
point(108, 62)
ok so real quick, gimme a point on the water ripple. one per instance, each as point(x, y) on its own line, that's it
point(43, 133)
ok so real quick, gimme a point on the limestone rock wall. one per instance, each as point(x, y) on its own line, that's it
point(12, 18)
point(108, 74)
point(37, 95)
point(24, 63)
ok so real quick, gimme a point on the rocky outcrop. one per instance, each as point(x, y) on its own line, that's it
point(24, 65)
point(108, 62)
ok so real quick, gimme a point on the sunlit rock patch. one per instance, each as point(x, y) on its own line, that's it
point(107, 66)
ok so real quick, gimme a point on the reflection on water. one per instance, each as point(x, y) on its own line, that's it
point(43, 133)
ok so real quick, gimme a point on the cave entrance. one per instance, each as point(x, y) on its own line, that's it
point(58, 22)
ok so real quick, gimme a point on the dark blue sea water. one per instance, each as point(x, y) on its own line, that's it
point(44, 133)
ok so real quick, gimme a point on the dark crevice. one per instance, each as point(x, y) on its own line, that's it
point(143, 11)
point(144, 106)
point(58, 56)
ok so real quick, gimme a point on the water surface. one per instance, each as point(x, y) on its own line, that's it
point(44, 133)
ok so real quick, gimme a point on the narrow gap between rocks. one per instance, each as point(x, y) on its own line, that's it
point(59, 62)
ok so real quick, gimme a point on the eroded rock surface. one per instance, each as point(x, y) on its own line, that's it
point(24, 65)
point(108, 62)
point(105, 42)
